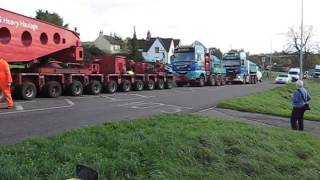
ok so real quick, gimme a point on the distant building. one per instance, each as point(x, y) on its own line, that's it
point(157, 48)
point(108, 44)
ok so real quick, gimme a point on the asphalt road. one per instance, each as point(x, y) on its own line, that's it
point(46, 117)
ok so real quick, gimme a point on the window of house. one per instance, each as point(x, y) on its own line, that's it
point(157, 49)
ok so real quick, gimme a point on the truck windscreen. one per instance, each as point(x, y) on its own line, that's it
point(231, 63)
point(184, 56)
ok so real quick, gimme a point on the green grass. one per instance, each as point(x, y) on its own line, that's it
point(276, 101)
point(179, 146)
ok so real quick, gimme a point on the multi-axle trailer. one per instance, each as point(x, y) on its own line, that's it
point(48, 59)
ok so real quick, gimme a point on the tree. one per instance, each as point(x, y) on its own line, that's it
point(216, 52)
point(53, 18)
point(91, 51)
point(135, 54)
point(294, 45)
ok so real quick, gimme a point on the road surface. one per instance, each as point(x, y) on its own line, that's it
point(46, 117)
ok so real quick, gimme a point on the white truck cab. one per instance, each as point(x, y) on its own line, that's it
point(294, 74)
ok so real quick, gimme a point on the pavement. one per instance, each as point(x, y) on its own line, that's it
point(260, 119)
point(47, 117)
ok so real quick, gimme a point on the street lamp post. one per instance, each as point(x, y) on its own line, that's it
point(301, 45)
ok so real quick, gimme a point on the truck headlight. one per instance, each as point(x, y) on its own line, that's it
point(239, 77)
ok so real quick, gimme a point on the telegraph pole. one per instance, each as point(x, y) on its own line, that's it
point(301, 45)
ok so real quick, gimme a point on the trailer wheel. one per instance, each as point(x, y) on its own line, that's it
point(150, 85)
point(211, 81)
point(1, 96)
point(160, 84)
point(201, 81)
point(126, 86)
point(52, 89)
point(75, 88)
point(111, 86)
point(179, 84)
point(138, 85)
point(26, 91)
point(169, 84)
point(94, 87)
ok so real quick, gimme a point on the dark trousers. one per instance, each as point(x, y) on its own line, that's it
point(297, 118)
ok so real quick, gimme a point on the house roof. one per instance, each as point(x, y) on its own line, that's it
point(145, 45)
point(176, 42)
point(113, 40)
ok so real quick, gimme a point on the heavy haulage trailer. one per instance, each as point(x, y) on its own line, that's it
point(48, 59)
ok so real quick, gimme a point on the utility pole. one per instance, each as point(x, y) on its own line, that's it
point(301, 45)
point(270, 68)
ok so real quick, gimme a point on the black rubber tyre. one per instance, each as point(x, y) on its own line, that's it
point(126, 86)
point(255, 80)
point(223, 81)
point(179, 84)
point(218, 81)
point(160, 84)
point(26, 91)
point(138, 85)
point(168, 84)
point(94, 87)
point(211, 81)
point(150, 85)
point(111, 87)
point(201, 82)
point(75, 88)
point(244, 80)
point(52, 89)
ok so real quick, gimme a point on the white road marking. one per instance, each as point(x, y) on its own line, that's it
point(19, 107)
point(70, 104)
point(121, 105)
point(145, 105)
point(208, 109)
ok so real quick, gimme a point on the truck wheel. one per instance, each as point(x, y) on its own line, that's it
point(126, 86)
point(111, 86)
point(218, 81)
point(52, 89)
point(26, 91)
point(244, 80)
point(94, 87)
point(138, 85)
point(150, 85)
point(160, 84)
point(75, 88)
point(254, 80)
point(169, 84)
point(211, 81)
point(223, 81)
point(201, 81)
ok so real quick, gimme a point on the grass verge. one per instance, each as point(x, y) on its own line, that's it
point(276, 101)
point(179, 146)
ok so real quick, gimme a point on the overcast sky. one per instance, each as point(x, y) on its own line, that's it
point(248, 24)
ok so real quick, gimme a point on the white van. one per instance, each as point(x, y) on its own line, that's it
point(294, 74)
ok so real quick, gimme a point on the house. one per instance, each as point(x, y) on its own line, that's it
point(108, 44)
point(157, 48)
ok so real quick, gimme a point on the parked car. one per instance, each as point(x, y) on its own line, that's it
point(282, 79)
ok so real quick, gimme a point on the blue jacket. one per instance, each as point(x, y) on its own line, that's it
point(297, 100)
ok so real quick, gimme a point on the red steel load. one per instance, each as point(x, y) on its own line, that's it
point(48, 59)
point(24, 39)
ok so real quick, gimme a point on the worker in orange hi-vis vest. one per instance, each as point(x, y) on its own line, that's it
point(5, 82)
